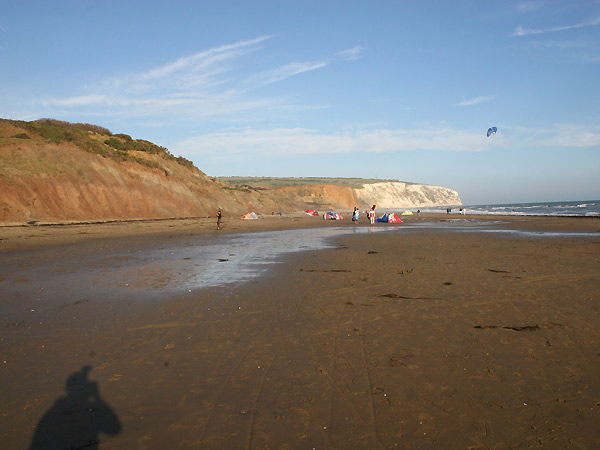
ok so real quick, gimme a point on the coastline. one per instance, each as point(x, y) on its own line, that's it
point(421, 339)
point(22, 236)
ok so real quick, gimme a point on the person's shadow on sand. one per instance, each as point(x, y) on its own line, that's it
point(76, 420)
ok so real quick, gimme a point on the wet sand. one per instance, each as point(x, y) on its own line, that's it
point(428, 338)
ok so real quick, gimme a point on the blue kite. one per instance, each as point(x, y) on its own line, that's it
point(491, 131)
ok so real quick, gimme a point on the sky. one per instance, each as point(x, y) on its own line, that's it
point(397, 89)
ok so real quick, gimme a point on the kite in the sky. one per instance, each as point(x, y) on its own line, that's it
point(491, 131)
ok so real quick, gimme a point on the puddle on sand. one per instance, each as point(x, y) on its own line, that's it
point(138, 270)
point(142, 272)
point(210, 262)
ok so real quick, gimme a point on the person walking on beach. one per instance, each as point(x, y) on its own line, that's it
point(218, 219)
point(372, 214)
point(355, 215)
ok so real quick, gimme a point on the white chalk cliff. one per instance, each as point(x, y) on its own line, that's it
point(395, 194)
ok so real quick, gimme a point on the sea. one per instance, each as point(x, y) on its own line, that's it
point(590, 208)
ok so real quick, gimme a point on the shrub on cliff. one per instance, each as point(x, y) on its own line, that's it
point(114, 147)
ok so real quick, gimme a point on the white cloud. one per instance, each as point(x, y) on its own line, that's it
point(82, 100)
point(475, 101)
point(205, 59)
point(351, 53)
point(300, 141)
point(265, 78)
point(520, 31)
point(571, 135)
point(526, 7)
point(207, 83)
point(233, 145)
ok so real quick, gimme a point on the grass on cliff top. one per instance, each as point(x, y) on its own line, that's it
point(93, 139)
point(274, 182)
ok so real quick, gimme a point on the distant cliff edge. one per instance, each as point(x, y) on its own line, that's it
point(395, 194)
point(346, 193)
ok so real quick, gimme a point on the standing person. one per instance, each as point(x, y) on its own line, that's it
point(355, 215)
point(219, 219)
point(372, 214)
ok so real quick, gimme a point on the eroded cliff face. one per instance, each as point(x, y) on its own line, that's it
point(390, 195)
point(47, 182)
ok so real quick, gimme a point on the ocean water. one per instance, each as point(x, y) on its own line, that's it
point(589, 208)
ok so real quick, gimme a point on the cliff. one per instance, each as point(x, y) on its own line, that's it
point(390, 195)
point(346, 193)
point(56, 171)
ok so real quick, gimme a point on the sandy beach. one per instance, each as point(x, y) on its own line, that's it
point(453, 332)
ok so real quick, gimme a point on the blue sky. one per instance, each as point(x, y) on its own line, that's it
point(389, 89)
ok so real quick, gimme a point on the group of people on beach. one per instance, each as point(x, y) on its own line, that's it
point(355, 215)
point(370, 214)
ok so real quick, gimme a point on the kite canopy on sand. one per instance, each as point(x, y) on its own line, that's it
point(491, 131)
point(332, 216)
point(389, 218)
point(249, 216)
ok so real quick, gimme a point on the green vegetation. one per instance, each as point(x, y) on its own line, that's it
point(236, 188)
point(86, 137)
point(274, 182)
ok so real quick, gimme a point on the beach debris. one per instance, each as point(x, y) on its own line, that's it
point(325, 270)
point(523, 328)
point(409, 298)
point(491, 131)
point(395, 361)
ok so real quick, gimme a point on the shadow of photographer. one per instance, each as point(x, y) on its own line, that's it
point(76, 420)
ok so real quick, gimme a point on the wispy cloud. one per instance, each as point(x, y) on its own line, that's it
point(202, 60)
point(351, 53)
point(521, 31)
point(571, 135)
point(251, 143)
point(529, 6)
point(207, 83)
point(233, 145)
point(475, 101)
point(265, 78)
point(82, 100)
